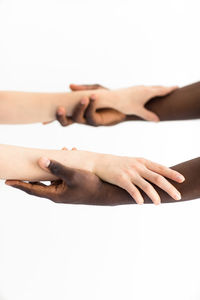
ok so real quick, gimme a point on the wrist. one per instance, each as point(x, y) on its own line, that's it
point(79, 159)
point(100, 163)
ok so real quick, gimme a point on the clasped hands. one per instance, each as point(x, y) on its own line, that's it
point(120, 105)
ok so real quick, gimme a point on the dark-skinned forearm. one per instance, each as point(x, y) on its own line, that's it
point(182, 104)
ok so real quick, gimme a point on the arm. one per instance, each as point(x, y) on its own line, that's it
point(23, 107)
point(82, 187)
point(127, 172)
point(182, 104)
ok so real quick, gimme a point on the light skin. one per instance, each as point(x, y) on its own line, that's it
point(128, 173)
point(24, 107)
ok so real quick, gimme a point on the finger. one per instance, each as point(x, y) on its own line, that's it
point(133, 191)
point(165, 171)
point(64, 148)
point(78, 114)
point(74, 148)
point(83, 87)
point(90, 114)
point(35, 189)
point(162, 183)
point(57, 169)
point(62, 118)
point(149, 115)
point(48, 122)
point(148, 189)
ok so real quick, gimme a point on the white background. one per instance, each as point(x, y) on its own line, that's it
point(50, 251)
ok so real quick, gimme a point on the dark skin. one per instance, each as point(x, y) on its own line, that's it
point(181, 104)
point(81, 187)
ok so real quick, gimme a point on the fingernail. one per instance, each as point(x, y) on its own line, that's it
point(60, 112)
point(177, 196)
point(8, 182)
point(181, 178)
point(84, 100)
point(45, 162)
point(140, 202)
point(157, 203)
point(93, 97)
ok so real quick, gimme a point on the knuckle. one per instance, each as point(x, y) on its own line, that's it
point(134, 193)
point(54, 168)
point(148, 189)
point(158, 179)
point(64, 124)
point(30, 192)
point(92, 121)
point(127, 171)
point(141, 160)
point(121, 177)
point(76, 119)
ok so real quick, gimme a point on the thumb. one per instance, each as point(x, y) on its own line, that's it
point(57, 169)
point(149, 115)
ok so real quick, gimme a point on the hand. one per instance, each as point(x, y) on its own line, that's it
point(73, 186)
point(128, 101)
point(133, 173)
point(118, 101)
point(79, 111)
point(131, 101)
point(86, 113)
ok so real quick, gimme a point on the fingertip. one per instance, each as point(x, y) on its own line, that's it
point(175, 87)
point(72, 86)
point(44, 162)
point(150, 116)
point(180, 178)
point(12, 182)
point(155, 119)
point(177, 196)
point(93, 97)
point(139, 201)
point(9, 182)
point(61, 111)
point(84, 100)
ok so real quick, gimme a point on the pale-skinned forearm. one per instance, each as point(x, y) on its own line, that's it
point(21, 163)
point(25, 107)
